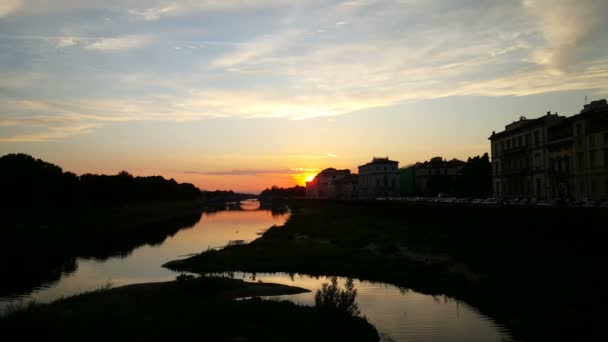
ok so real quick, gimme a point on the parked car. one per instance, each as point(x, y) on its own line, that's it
point(548, 203)
point(589, 204)
point(490, 201)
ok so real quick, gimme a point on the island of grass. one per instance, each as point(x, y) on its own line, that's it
point(534, 270)
point(203, 308)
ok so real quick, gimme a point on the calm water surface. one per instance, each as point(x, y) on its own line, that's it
point(398, 314)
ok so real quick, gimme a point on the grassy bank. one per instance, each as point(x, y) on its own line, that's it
point(201, 308)
point(536, 271)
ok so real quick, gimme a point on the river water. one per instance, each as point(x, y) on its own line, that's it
point(398, 314)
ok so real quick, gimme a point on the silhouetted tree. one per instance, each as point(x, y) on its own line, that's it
point(26, 180)
point(476, 178)
point(275, 191)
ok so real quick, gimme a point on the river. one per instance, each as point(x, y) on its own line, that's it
point(398, 314)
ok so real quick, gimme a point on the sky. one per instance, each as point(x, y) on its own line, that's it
point(244, 94)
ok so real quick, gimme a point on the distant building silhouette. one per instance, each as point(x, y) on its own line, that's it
point(553, 156)
point(427, 171)
point(379, 178)
point(332, 183)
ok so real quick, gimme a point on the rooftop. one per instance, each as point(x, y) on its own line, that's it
point(380, 160)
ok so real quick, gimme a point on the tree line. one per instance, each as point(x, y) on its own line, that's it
point(275, 191)
point(27, 180)
point(474, 180)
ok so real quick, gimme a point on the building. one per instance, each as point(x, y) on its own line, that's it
point(520, 158)
point(332, 183)
point(589, 152)
point(379, 178)
point(436, 175)
point(553, 156)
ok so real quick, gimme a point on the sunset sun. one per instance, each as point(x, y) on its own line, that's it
point(309, 178)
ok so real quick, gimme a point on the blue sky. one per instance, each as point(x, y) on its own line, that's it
point(247, 94)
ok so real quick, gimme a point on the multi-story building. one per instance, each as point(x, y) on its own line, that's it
point(520, 159)
point(379, 178)
point(332, 183)
point(590, 151)
point(553, 156)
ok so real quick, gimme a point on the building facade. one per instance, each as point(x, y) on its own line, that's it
point(553, 156)
point(332, 183)
point(379, 178)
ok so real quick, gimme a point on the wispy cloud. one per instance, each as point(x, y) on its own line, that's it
point(250, 52)
point(51, 134)
point(154, 13)
point(118, 43)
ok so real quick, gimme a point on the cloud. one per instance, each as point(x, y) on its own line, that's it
point(390, 52)
point(51, 134)
point(7, 7)
point(259, 172)
point(260, 47)
point(574, 31)
point(118, 43)
point(154, 13)
point(66, 41)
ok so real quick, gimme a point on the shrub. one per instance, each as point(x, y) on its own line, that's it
point(332, 298)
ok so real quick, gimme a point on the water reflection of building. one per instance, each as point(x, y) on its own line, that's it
point(553, 156)
point(379, 178)
point(332, 183)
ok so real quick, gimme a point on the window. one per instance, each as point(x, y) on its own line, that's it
point(520, 141)
point(498, 168)
point(502, 146)
point(606, 159)
point(537, 160)
point(536, 138)
point(579, 129)
point(592, 141)
point(592, 159)
point(526, 139)
point(606, 138)
point(537, 186)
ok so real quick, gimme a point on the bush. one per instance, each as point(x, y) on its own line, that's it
point(332, 298)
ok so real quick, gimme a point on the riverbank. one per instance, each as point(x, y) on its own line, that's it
point(202, 308)
point(40, 244)
point(533, 270)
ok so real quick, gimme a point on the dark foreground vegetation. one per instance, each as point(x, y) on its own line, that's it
point(201, 308)
point(537, 271)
